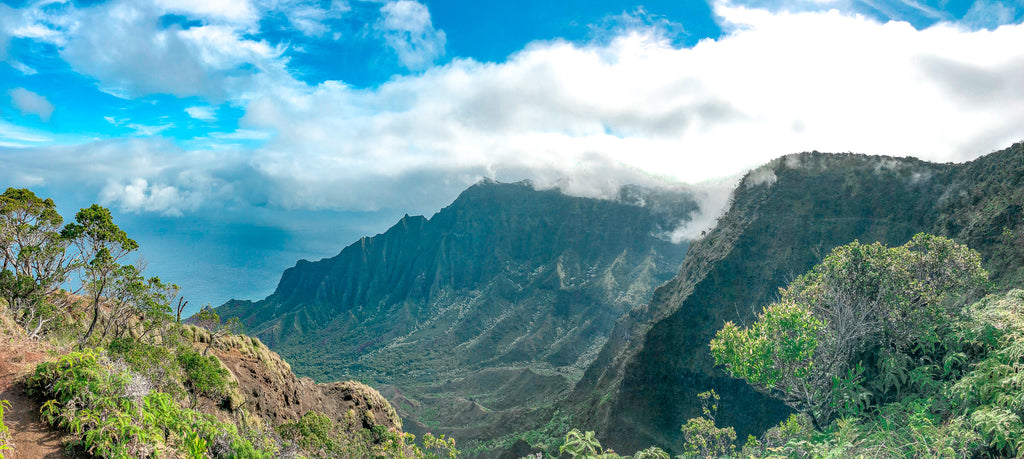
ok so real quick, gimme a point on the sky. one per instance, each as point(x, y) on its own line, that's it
point(234, 137)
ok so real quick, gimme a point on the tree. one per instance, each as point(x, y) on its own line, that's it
point(863, 305)
point(101, 245)
point(33, 253)
point(703, 438)
point(209, 319)
point(136, 302)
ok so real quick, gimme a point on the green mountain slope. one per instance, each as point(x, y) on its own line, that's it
point(496, 303)
point(784, 217)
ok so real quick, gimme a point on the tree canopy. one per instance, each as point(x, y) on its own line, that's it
point(853, 315)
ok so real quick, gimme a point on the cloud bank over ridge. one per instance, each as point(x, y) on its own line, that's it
point(588, 116)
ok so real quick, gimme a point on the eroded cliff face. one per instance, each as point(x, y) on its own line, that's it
point(506, 285)
point(266, 387)
point(784, 217)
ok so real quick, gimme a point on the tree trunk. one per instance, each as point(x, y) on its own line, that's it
point(92, 325)
point(35, 333)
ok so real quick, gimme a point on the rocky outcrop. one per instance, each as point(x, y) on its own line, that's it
point(266, 386)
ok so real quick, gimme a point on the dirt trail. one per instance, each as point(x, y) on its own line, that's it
point(30, 438)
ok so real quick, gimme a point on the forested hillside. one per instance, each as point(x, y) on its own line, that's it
point(785, 217)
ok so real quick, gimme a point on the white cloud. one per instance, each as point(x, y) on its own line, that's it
point(408, 31)
point(122, 44)
point(989, 14)
point(140, 195)
point(713, 200)
point(243, 134)
point(6, 12)
point(761, 176)
point(144, 130)
point(138, 174)
point(605, 113)
point(28, 102)
point(591, 117)
point(19, 136)
point(204, 113)
point(21, 67)
point(231, 11)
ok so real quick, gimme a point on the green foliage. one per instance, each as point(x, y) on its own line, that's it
point(156, 363)
point(318, 436)
point(990, 395)
point(862, 328)
point(100, 403)
point(101, 245)
point(5, 444)
point(33, 258)
point(651, 453)
point(313, 432)
point(703, 438)
point(204, 375)
point(912, 372)
point(775, 353)
point(579, 444)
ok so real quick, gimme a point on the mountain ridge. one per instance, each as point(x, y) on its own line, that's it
point(507, 281)
point(784, 217)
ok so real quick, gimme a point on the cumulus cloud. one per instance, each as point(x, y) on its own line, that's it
point(408, 31)
point(30, 103)
point(140, 195)
point(131, 51)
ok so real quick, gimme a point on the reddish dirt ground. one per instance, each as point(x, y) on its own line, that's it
point(30, 438)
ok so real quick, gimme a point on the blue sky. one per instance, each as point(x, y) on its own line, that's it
point(233, 137)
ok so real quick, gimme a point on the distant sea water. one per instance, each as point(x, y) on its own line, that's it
point(214, 261)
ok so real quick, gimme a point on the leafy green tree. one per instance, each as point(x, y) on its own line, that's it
point(871, 304)
point(101, 245)
point(33, 255)
point(703, 437)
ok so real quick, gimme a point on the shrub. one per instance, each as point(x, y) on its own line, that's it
point(156, 363)
point(88, 395)
point(5, 444)
point(204, 375)
point(703, 437)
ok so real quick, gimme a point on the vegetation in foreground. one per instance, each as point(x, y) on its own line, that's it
point(882, 352)
point(139, 382)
